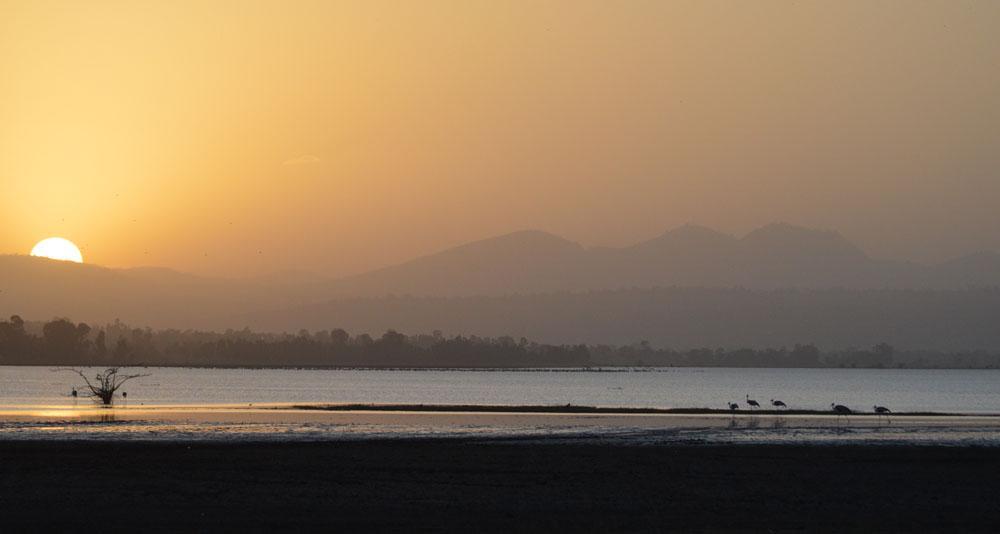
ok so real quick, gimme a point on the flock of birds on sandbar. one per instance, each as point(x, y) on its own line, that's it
point(839, 409)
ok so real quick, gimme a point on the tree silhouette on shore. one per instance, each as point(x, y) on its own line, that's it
point(105, 383)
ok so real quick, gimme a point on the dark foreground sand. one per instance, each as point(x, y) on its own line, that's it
point(454, 484)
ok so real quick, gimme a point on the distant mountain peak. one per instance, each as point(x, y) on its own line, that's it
point(529, 234)
point(527, 240)
point(697, 231)
point(789, 237)
point(781, 228)
point(687, 235)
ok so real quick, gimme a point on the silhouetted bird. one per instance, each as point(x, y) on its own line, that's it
point(882, 410)
point(733, 406)
point(840, 410)
point(778, 404)
point(752, 403)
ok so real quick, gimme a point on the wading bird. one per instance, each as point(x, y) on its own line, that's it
point(778, 404)
point(882, 410)
point(840, 410)
point(733, 406)
point(752, 403)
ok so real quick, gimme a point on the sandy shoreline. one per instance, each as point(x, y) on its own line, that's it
point(274, 466)
point(286, 423)
point(469, 485)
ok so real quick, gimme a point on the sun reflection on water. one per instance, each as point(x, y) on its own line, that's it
point(55, 413)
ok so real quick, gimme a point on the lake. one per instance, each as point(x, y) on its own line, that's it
point(957, 391)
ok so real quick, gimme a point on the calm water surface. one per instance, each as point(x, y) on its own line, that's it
point(960, 391)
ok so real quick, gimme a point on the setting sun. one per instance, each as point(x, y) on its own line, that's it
point(57, 248)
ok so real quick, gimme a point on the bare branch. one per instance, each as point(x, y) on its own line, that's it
point(105, 384)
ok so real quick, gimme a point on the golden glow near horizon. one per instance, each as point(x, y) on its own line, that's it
point(57, 248)
point(243, 137)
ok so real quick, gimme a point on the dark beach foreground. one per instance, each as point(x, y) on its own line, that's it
point(454, 484)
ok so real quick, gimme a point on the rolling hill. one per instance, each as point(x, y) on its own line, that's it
point(777, 256)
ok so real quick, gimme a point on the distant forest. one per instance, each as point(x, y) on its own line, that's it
point(63, 342)
point(679, 317)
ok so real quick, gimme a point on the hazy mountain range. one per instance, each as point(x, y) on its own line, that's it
point(775, 256)
point(498, 269)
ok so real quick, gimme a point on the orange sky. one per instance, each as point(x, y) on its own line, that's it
point(240, 137)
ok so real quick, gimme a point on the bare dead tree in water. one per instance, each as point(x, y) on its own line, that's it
point(103, 386)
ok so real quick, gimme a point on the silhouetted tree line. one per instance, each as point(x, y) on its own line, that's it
point(945, 321)
point(62, 342)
